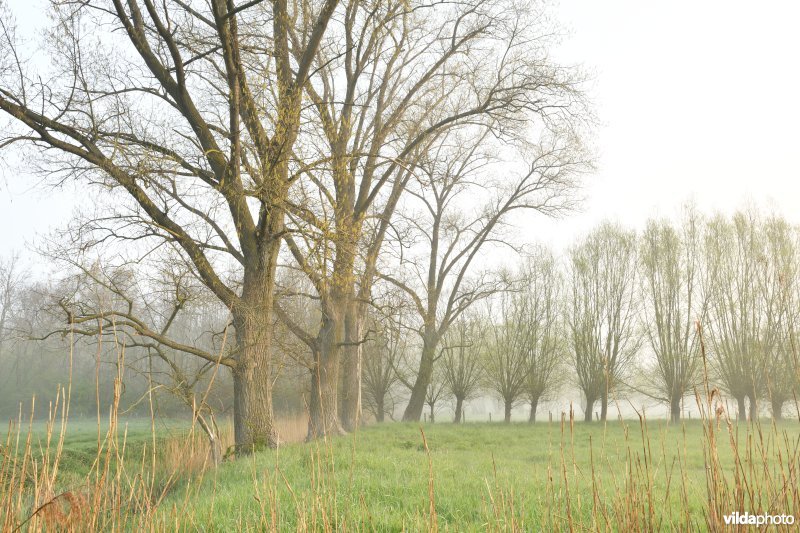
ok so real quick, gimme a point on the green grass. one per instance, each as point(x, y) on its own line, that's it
point(79, 453)
point(617, 476)
point(379, 479)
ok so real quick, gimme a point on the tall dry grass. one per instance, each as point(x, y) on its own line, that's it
point(115, 494)
point(188, 451)
point(764, 478)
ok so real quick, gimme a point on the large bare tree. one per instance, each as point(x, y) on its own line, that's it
point(460, 206)
point(671, 262)
point(194, 113)
point(189, 112)
point(602, 312)
point(386, 83)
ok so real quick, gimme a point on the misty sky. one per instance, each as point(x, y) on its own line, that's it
point(696, 100)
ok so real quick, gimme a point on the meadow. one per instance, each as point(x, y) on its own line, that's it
point(561, 475)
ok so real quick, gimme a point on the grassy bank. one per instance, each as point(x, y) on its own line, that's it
point(488, 476)
point(394, 477)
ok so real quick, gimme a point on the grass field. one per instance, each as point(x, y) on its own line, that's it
point(550, 476)
point(483, 476)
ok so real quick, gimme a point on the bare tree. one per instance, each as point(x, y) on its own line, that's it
point(741, 334)
point(382, 354)
point(506, 350)
point(11, 279)
point(541, 324)
point(387, 81)
point(673, 304)
point(459, 207)
point(782, 306)
point(602, 312)
point(30, 367)
point(194, 114)
point(118, 305)
point(461, 361)
point(436, 392)
point(190, 113)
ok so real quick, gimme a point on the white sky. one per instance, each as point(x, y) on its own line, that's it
point(696, 100)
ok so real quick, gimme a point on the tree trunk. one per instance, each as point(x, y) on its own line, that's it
point(416, 402)
point(742, 415)
point(3, 313)
point(507, 411)
point(604, 407)
point(252, 382)
point(252, 404)
point(323, 405)
point(587, 414)
point(777, 408)
point(433, 414)
point(352, 354)
point(534, 406)
point(380, 409)
point(252, 410)
point(753, 408)
point(459, 408)
point(675, 409)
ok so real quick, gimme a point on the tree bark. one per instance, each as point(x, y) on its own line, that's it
point(380, 409)
point(507, 411)
point(416, 401)
point(459, 408)
point(352, 354)
point(604, 407)
point(534, 406)
point(742, 415)
point(587, 414)
point(675, 409)
point(753, 407)
point(253, 422)
point(323, 405)
point(777, 408)
point(433, 414)
point(252, 381)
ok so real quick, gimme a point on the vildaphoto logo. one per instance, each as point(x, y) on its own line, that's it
point(746, 519)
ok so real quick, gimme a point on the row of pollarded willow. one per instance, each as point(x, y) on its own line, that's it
point(729, 282)
point(632, 317)
point(226, 131)
point(509, 341)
